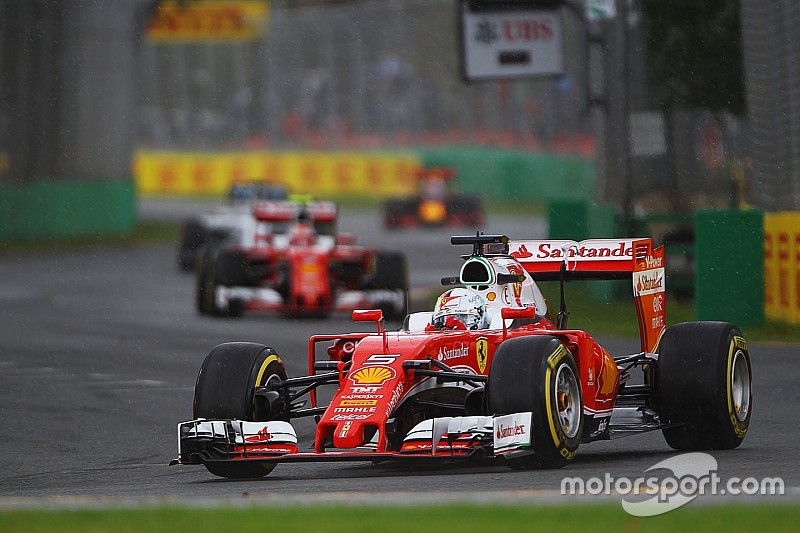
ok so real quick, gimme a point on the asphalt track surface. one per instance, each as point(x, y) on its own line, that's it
point(100, 347)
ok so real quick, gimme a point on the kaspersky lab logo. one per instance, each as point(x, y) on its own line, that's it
point(691, 475)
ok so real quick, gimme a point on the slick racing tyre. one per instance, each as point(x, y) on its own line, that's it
point(703, 386)
point(225, 389)
point(231, 270)
point(538, 374)
point(206, 284)
point(215, 268)
point(194, 235)
point(398, 211)
point(466, 209)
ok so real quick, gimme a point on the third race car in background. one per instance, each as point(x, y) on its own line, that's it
point(292, 260)
point(435, 203)
point(489, 373)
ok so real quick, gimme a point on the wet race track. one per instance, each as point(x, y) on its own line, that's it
point(101, 347)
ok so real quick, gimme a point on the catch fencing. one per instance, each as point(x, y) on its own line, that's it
point(358, 75)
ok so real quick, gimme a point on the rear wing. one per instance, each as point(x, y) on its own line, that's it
point(604, 259)
point(286, 211)
point(435, 173)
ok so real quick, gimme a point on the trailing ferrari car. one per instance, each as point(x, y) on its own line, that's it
point(490, 373)
point(293, 261)
point(226, 224)
point(434, 203)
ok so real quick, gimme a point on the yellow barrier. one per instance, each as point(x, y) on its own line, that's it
point(782, 266)
point(318, 173)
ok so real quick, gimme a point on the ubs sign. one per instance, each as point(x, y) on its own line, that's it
point(510, 43)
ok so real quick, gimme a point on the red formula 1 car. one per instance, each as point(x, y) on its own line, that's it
point(293, 261)
point(435, 203)
point(488, 373)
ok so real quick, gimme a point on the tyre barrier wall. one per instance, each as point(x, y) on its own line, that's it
point(66, 208)
point(729, 266)
point(496, 174)
point(782, 266)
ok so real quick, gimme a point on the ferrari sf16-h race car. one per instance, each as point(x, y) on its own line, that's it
point(293, 261)
point(488, 374)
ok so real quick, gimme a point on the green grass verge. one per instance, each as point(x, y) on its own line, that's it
point(143, 233)
point(597, 518)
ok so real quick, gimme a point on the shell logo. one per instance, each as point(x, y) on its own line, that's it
point(372, 375)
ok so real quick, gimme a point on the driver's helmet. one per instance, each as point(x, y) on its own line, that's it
point(302, 234)
point(460, 306)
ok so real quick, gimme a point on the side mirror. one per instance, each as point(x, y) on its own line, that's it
point(370, 315)
point(518, 312)
point(367, 315)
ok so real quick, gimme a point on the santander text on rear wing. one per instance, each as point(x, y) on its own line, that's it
point(598, 259)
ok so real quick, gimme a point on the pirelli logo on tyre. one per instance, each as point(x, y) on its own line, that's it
point(737, 407)
point(557, 356)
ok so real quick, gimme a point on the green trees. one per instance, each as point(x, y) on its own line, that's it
point(695, 54)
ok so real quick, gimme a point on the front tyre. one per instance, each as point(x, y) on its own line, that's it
point(194, 235)
point(225, 389)
point(704, 386)
point(538, 374)
point(206, 284)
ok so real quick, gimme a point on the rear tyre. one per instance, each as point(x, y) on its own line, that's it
point(397, 211)
point(225, 389)
point(704, 384)
point(538, 374)
point(466, 208)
